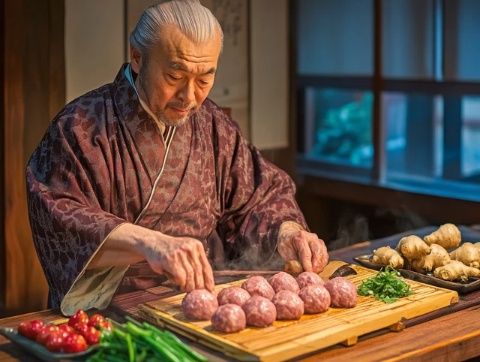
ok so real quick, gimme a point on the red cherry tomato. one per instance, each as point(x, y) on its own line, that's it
point(66, 328)
point(79, 317)
point(81, 328)
point(104, 325)
point(95, 320)
point(47, 329)
point(91, 335)
point(74, 343)
point(24, 329)
point(30, 329)
point(55, 342)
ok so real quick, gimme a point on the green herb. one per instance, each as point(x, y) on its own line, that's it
point(385, 286)
point(132, 341)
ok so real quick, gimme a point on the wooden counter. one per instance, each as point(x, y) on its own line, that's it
point(450, 334)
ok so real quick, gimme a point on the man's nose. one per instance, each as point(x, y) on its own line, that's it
point(187, 93)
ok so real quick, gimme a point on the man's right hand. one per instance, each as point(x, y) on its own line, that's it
point(181, 259)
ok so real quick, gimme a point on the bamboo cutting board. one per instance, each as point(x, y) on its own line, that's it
point(289, 339)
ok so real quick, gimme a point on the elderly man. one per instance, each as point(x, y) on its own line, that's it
point(148, 169)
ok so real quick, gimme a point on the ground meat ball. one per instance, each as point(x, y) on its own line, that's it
point(199, 304)
point(260, 311)
point(315, 298)
point(233, 295)
point(288, 304)
point(308, 278)
point(229, 318)
point(342, 292)
point(284, 281)
point(258, 285)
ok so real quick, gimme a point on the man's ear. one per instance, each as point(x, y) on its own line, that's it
point(136, 59)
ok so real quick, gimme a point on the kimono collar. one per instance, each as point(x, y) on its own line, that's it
point(128, 104)
point(129, 76)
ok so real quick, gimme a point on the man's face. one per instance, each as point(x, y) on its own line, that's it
point(176, 75)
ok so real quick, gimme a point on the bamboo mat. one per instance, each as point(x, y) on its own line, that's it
point(289, 339)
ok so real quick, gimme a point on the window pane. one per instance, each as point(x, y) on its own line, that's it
point(471, 139)
point(462, 35)
point(341, 127)
point(433, 143)
point(413, 127)
point(407, 38)
point(334, 37)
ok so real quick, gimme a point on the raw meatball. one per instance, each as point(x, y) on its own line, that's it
point(288, 304)
point(308, 278)
point(229, 318)
point(199, 304)
point(342, 292)
point(233, 295)
point(315, 298)
point(258, 285)
point(260, 311)
point(284, 281)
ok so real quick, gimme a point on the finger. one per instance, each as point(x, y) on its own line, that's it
point(316, 254)
point(207, 270)
point(189, 273)
point(304, 252)
point(286, 249)
point(324, 255)
point(194, 258)
point(175, 272)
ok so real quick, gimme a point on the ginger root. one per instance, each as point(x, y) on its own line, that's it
point(412, 247)
point(447, 235)
point(456, 270)
point(468, 254)
point(437, 257)
point(387, 256)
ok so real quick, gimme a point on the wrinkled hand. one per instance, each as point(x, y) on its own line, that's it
point(294, 243)
point(182, 260)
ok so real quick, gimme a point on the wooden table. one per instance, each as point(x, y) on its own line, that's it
point(450, 334)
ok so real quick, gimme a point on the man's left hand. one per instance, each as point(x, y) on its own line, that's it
point(294, 243)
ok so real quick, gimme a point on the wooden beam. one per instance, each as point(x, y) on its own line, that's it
point(436, 209)
point(378, 124)
point(14, 122)
point(34, 91)
point(3, 268)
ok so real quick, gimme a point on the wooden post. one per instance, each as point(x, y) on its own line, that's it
point(34, 90)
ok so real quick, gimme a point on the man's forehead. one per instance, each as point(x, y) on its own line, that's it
point(175, 47)
point(175, 65)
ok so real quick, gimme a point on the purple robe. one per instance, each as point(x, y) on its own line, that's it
point(96, 166)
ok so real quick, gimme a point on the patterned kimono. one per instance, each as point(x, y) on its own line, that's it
point(103, 162)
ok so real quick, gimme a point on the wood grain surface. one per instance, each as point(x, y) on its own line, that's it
point(34, 90)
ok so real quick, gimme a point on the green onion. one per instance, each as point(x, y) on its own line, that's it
point(385, 286)
point(132, 341)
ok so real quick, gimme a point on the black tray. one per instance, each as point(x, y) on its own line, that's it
point(470, 285)
point(40, 351)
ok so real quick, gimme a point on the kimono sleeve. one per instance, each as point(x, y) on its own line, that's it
point(256, 197)
point(67, 177)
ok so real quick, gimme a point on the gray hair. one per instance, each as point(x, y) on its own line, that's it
point(190, 16)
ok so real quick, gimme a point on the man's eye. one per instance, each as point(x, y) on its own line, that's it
point(173, 77)
point(204, 82)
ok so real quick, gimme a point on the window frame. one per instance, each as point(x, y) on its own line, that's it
point(372, 187)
